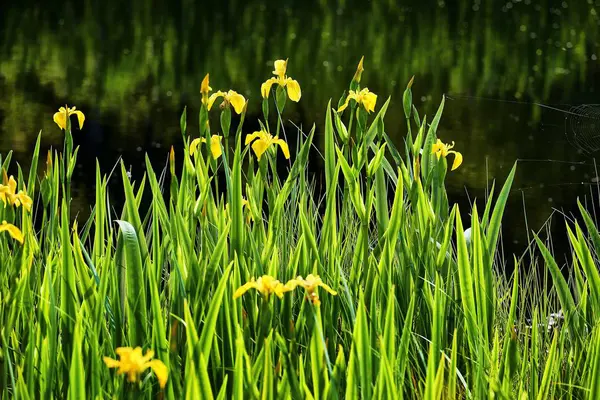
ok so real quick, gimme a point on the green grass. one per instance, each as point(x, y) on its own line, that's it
point(420, 312)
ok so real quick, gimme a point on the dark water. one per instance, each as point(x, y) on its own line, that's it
point(133, 66)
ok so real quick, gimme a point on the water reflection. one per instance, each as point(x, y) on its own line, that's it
point(132, 68)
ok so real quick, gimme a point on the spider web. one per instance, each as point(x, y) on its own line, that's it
point(582, 127)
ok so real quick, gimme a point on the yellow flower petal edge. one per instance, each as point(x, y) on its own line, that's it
point(12, 231)
point(133, 363)
point(231, 97)
point(310, 284)
point(215, 145)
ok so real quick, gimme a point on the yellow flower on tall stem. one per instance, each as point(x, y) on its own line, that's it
point(12, 231)
point(441, 149)
point(292, 86)
point(64, 113)
point(133, 363)
point(263, 140)
point(230, 97)
point(364, 97)
point(310, 284)
point(266, 285)
point(215, 145)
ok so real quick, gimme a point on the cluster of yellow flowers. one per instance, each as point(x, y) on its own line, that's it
point(10, 196)
point(267, 285)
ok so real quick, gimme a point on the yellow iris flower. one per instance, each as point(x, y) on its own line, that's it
point(292, 86)
point(12, 231)
point(133, 363)
point(64, 113)
point(215, 145)
point(364, 97)
point(263, 140)
point(8, 194)
point(266, 285)
point(310, 284)
point(231, 97)
point(205, 89)
point(442, 150)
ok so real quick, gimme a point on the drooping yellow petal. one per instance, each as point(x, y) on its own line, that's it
point(213, 97)
point(12, 231)
point(111, 362)
point(80, 118)
point(244, 288)
point(369, 100)
point(25, 200)
point(60, 118)
point(252, 136)
point(161, 372)
point(194, 145)
point(283, 146)
point(215, 146)
point(280, 68)
point(351, 96)
point(260, 146)
point(237, 101)
point(293, 89)
point(458, 159)
point(265, 88)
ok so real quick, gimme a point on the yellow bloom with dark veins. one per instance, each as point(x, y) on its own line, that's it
point(215, 145)
point(12, 231)
point(64, 113)
point(263, 140)
point(442, 150)
point(133, 363)
point(205, 89)
point(266, 285)
point(292, 86)
point(364, 97)
point(230, 97)
point(310, 284)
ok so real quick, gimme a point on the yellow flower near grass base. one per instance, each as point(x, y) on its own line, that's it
point(310, 284)
point(133, 363)
point(266, 285)
point(215, 145)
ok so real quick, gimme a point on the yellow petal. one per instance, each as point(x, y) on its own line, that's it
point(80, 118)
point(252, 136)
point(458, 158)
point(237, 101)
point(351, 96)
point(293, 89)
point(25, 200)
point(61, 119)
point(194, 145)
point(213, 97)
point(294, 283)
point(215, 146)
point(260, 146)
point(12, 185)
point(161, 372)
point(123, 351)
point(265, 88)
point(280, 68)
point(111, 362)
point(327, 288)
point(283, 146)
point(369, 101)
point(244, 288)
point(12, 231)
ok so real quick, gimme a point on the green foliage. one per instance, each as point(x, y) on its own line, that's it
point(407, 306)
